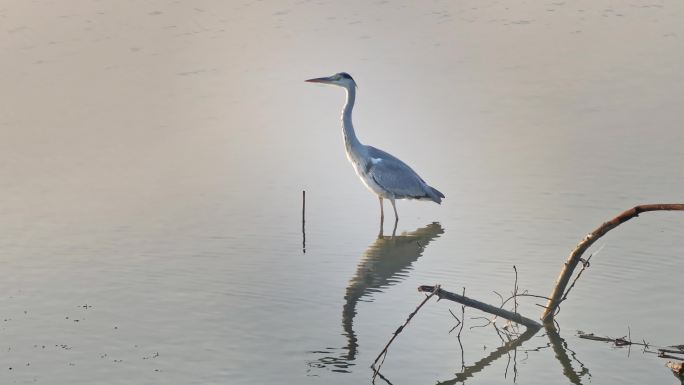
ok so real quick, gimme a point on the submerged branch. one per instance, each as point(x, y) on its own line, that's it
point(663, 352)
point(673, 352)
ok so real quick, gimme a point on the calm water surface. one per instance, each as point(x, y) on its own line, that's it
point(154, 155)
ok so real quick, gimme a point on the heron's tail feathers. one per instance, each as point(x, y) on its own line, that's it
point(435, 195)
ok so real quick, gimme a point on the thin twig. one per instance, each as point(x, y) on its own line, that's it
point(515, 365)
point(383, 353)
point(384, 378)
point(454, 315)
point(489, 322)
point(515, 291)
point(460, 343)
point(500, 297)
point(585, 265)
point(303, 221)
point(514, 295)
point(462, 319)
point(457, 320)
point(524, 295)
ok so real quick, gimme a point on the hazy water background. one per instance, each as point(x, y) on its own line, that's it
point(154, 154)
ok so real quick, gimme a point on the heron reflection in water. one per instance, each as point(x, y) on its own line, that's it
point(385, 263)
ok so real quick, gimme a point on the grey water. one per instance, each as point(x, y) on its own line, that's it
point(154, 154)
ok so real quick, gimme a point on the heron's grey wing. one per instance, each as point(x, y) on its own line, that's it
point(379, 154)
point(396, 177)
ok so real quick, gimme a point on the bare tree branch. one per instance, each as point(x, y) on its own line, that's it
point(576, 254)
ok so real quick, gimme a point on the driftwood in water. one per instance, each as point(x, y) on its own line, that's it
point(559, 294)
point(674, 352)
point(497, 311)
point(620, 341)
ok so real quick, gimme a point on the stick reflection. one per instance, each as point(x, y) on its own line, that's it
point(480, 365)
point(560, 348)
point(385, 263)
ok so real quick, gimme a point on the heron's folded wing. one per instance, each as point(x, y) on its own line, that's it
point(397, 178)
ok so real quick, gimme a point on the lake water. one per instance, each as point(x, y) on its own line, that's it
point(154, 156)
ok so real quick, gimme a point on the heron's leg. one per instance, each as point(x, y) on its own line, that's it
point(382, 216)
point(394, 206)
point(382, 210)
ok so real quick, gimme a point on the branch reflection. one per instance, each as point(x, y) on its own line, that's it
point(480, 365)
point(560, 349)
point(562, 352)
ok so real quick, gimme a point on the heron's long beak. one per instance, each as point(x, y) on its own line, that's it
point(325, 80)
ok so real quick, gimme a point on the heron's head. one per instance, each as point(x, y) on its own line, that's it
point(341, 79)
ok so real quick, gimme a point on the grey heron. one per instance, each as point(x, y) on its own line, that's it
point(382, 173)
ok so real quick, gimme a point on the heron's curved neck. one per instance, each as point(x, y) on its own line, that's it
point(350, 139)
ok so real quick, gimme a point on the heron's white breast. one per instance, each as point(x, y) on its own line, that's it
point(367, 180)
